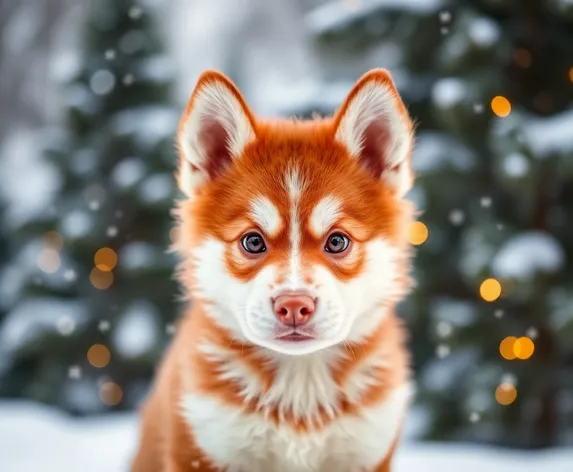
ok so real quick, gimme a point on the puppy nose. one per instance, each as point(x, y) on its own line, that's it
point(294, 309)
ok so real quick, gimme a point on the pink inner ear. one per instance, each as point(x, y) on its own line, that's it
point(376, 139)
point(213, 141)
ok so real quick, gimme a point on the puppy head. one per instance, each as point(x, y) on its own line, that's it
point(294, 233)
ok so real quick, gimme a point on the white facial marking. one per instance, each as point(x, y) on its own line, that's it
point(295, 187)
point(324, 215)
point(266, 215)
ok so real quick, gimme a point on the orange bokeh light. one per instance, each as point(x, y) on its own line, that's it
point(418, 233)
point(524, 348)
point(100, 279)
point(501, 106)
point(490, 290)
point(53, 240)
point(507, 348)
point(105, 259)
point(110, 393)
point(505, 394)
point(98, 355)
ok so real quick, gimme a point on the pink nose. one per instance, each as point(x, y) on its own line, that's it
point(294, 309)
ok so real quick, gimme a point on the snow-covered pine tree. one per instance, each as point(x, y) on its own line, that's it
point(92, 285)
point(494, 186)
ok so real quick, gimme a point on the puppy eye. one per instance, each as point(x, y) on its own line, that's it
point(253, 243)
point(337, 243)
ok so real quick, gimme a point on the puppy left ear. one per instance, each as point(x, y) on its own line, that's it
point(374, 126)
point(214, 130)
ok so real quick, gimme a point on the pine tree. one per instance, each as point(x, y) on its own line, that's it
point(96, 295)
point(488, 83)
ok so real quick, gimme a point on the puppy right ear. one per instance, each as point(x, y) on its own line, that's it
point(213, 131)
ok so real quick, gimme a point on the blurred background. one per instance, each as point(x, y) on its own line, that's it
point(90, 95)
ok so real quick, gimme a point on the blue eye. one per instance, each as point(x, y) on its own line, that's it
point(337, 243)
point(253, 243)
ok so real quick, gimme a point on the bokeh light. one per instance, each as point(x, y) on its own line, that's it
point(505, 394)
point(49, 260)
point(490, 290)
point(501, 106)
point(110, 393)
point(53, 240)
point(523, 348)
point(507, 348)
point(98, 356)
point(100, 279)
point(418, 233)
point(522, 58)
point(105, 259)
point(571, 74)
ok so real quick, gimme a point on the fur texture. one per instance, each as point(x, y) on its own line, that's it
point(324, 201)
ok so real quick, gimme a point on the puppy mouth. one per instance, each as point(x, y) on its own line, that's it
point(295, 337)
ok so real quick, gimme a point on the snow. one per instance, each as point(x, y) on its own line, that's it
point(484, 32)
point(102, 82)
point(448, 92)
point(279, 98)
point(550, 135)
point(34, 437)
point(76, 224)
point(138, 255)
point(515, 165)
point(157, 188)
point(149, 124)
point(434, 151)
point(128, 172)
point(526, 254)
point(136, 332)
point(34, 318)
point(25, 192)
point(336, 14)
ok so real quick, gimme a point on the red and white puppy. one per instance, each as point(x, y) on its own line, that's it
point(294, 252)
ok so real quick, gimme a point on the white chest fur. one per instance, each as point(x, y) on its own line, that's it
point(246, 442)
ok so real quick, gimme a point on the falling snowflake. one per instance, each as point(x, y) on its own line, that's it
point(457, 217)
point(128, 79)
point(170, 328)
point(444, 329)
point(498, 314)
point(104, 326)
point(110, 55)
point(135, 13)
point(195, 464)
point(118, 214)
point(66, 325)
point(112, 231)
point(475, 417)
point(532, 333)
point(508, 379)
point(478, 108)
point(442, 351)
point(74, 372)
point(444, 30)
point(102, 82)
point(485, 202)
point(500, 226)
point(70, 275)
point(94, 205)
point(445, 16)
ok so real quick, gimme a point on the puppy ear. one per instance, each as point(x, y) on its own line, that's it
point(374, 126)
point(214, 129)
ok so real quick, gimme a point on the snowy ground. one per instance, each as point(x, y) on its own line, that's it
point(34, 438)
